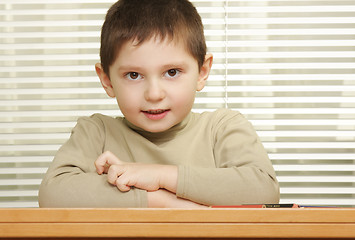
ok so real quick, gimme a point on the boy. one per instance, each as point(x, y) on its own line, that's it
point(160, 154)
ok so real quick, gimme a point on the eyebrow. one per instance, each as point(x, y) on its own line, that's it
point(175, 65)
point(125, 68)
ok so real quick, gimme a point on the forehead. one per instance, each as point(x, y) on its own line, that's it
point(153, 55)
point(153, 45)
point(176, 39)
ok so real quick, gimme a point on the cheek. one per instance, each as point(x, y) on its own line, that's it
point(185, 96)
point(126, 101)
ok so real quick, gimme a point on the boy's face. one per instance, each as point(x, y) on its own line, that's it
point(155, 82)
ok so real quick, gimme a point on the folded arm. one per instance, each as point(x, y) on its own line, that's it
point(160, 181)
point(243, 173)
point(71, 179)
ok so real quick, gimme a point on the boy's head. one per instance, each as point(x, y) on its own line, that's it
point(140, 20)
point(153, 60)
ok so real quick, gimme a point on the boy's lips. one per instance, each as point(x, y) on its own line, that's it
point(156, 114)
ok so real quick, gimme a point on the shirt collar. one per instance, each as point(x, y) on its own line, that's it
point(160, 136)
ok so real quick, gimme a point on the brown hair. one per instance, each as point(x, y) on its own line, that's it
point(142, 19)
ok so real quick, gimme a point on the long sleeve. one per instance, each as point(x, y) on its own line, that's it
point(72, 181)
point(243, 173)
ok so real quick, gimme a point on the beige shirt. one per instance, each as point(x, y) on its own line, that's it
point(220, 160)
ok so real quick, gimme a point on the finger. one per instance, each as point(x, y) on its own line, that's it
point(115, 176)
point(100, 163)
point(113, 173)
point(104, 161)
point(106, 168)
point(122, 183)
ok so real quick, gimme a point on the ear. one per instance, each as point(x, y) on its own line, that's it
point(105, 80)
point(204, 72)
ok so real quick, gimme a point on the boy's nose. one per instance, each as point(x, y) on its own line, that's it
point(154, 91)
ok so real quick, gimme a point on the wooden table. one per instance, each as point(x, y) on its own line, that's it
point(195, 224)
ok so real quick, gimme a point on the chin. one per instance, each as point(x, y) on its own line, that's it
point(158, 128)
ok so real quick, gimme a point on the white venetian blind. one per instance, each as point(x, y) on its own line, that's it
point(288, 66)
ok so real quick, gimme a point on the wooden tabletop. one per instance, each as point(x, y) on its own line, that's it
point(123, 223)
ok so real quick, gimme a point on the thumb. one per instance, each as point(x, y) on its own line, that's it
point(105, 160)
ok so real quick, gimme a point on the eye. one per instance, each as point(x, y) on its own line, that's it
point(172, 73)
point(133, 76)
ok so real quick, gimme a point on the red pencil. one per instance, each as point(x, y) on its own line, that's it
point(287, 205)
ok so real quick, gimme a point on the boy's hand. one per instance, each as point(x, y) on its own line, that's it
point(150, 177)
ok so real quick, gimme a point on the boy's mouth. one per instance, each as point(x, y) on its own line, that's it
point(158, 111)
point(156, 114)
